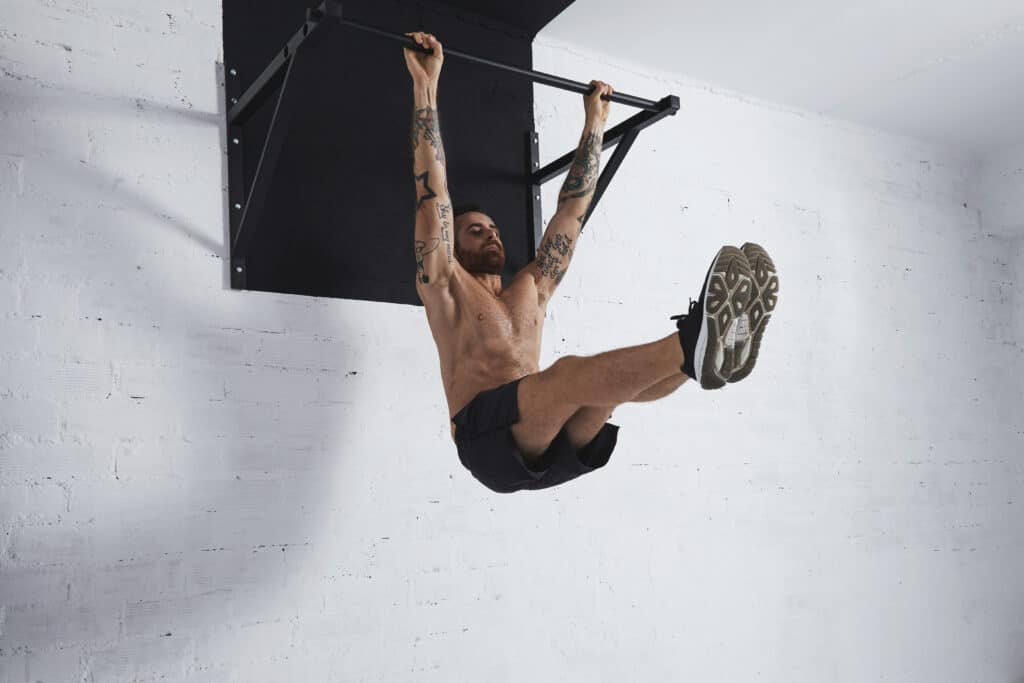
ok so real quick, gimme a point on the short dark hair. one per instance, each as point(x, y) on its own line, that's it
point(466, 208)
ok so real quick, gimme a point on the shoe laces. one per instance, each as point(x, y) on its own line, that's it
point(693, 304)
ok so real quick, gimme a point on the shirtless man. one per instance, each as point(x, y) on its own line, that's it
point(514, 426)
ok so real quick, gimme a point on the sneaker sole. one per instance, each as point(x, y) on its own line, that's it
point(762, 304)
point(727, 292)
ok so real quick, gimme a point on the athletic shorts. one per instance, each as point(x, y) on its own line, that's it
point(483, 436)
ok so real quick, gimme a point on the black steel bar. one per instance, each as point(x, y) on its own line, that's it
point(536, 76)
point(623, 135)
point(609, 171)
point(236, 197)
point(236, 180)
point(260, 89)
point(668, 106)
point(257, 194)
point(534, 219)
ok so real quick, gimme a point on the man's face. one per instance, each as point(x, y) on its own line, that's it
point(478, 244)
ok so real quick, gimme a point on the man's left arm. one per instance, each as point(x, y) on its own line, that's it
point(559, 240)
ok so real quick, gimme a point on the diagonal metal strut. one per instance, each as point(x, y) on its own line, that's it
point(247, 203)
point(621, 136)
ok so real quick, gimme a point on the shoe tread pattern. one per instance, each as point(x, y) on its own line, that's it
point(764, 298)
point(729, 293)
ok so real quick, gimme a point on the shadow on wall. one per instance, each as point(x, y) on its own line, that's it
point(125, 110)
point(239, 483)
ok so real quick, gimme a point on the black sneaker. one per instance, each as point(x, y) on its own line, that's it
point(750, 326)
point(703, 329)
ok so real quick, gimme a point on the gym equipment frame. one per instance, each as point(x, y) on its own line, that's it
point(246, 205)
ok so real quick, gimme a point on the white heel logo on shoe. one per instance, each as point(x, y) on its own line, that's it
point(742, 329)
point(742, 338)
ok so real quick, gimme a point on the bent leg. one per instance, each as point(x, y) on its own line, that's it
point(660, 390)
point(548, 399)
point(585, 424)
point(615, 377)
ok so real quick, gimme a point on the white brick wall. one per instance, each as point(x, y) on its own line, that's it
point(997, 184)
point(209, 485)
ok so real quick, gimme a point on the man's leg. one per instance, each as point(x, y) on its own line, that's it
point(548, 399)
point(584, 425)
point(615, 377)
point(660, 390)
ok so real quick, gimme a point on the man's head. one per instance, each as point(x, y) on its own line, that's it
point(478, 244)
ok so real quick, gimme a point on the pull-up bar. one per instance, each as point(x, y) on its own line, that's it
point(256, 92)
point(247, 203)
point(535, 76)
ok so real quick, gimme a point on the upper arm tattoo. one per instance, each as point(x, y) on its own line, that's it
point(552, 256)
point(444, 215)
point(427, 192)
point(422, 250)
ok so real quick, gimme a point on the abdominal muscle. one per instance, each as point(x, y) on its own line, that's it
point(496, 341)
point(476, 375)
point(490, 341)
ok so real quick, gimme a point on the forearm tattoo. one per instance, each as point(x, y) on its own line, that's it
point(554, 255)
point(426, 120)
point(583, 175)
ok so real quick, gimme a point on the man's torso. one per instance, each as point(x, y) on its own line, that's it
point(483, 341)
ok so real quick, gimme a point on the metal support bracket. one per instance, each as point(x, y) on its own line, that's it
point(621, 137)
point(236, 180)
point(534, 218)
point(246, 204)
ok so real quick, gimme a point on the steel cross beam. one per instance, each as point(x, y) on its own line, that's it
point(621, 136)
point(247, 203)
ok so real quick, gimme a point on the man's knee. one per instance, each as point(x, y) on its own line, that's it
point(660, 390)
point(543, 408)
point(564, 361)
point(586, 423)
point(564, 366)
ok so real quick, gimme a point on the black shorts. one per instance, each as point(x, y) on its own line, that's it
point(483, 436)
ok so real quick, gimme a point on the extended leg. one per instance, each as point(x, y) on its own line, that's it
point(661, 389)
point(548, 399)
point(618, 376)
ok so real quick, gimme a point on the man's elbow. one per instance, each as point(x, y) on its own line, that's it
point(576, 209)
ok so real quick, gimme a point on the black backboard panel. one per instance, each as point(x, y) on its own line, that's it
point(339, 212)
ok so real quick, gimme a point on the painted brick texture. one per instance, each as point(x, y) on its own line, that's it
point(202, 484)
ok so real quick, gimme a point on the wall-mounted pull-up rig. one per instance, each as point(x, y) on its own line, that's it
point(247, 203)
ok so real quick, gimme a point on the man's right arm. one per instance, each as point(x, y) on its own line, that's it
point(434, 220)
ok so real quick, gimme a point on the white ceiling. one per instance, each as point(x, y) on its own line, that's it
point(946, 71)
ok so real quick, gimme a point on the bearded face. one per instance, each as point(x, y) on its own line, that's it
point(478, 244)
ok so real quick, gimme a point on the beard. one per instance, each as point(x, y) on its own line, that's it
point(487, 261)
